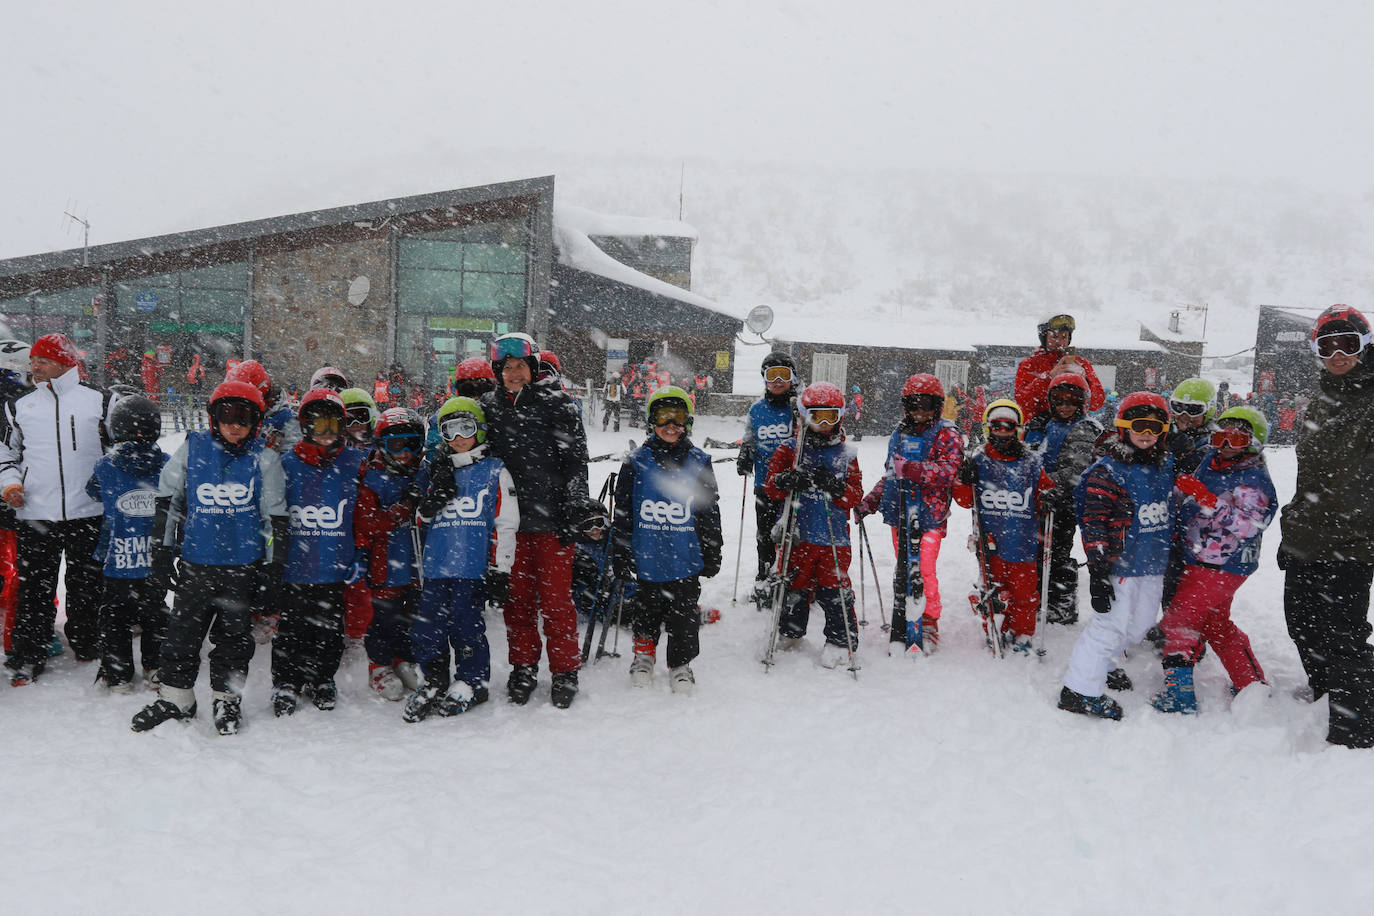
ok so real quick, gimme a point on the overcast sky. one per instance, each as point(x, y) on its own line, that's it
point(155, 117)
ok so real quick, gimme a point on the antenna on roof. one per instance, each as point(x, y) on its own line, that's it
point(681, 185)
point(85, 231)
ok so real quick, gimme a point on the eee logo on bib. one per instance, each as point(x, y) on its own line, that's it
point(465, 507)
point(1006, 500)
point(225, 494)
point(774, 431)
point(662, 512)
point(1152, 515)
point(318, 516)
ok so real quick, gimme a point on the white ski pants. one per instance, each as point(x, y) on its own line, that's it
point(1134, 611)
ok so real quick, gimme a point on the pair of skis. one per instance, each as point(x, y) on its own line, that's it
point(610, 592)
point(985, 597)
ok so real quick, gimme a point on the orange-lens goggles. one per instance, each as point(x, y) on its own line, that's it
point(1148, 425)
point(828, 415)
point(324, 426)
point(777, 374)
point(1235, 438)
point(662, 416)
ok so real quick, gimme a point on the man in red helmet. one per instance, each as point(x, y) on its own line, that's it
point(1327, 552)
point(1054, 358)
point(53, 437)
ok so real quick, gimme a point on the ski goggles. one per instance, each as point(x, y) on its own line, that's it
point(322, 426)
point(232, 413)
point(1060, 323)
point(827, 416)
point(1190, 408)
point(778, 374)
point(463, 425)
point(502, 347)
point(1235, 438)
point(1149, 425)
point(1347, 342)
point(402, 443)
point(359, 414)
point(662, 416)
point(1074, 396)
point(1006, 426)
point(927, 402)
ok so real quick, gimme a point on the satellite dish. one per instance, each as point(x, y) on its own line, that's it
point(759, 319)
point(358, 290)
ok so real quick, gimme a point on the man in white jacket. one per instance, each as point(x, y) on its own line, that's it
point(54, 436)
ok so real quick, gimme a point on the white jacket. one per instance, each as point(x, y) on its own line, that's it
point(51, 447)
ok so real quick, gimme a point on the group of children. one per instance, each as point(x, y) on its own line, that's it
point(1167, 520)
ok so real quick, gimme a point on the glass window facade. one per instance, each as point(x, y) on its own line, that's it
point(455, 288)
point(69, 311)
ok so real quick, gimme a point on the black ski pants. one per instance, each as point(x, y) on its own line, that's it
point(310, 637)
point(40, 549)
point(1326, 606)
point(670, 606)
point(766, 512)
point(1063, 591)
point(126, 602)
point(612, 411)
point(216, 601)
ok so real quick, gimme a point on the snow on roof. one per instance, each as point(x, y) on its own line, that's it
point(573, 226)
point(928, 329)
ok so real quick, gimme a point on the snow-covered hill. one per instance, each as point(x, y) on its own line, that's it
point(948, 784)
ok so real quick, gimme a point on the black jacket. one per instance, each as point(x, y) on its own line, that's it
point(539, 437)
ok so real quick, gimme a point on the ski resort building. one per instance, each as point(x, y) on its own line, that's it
point(412, 283)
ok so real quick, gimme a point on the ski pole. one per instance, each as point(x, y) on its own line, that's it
point(863, 593)
point(849, 637)
point(1042, 613)
point(739, 550)
point(784, 555)
point(873, 566)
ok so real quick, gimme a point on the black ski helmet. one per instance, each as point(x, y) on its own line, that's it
point(135, 419)
point(778, 358)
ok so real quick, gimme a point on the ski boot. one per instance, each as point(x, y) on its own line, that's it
point(523, 680)
point(324, 695)
point(1118, 679)
point(284, 700)
point(1178, 694)
point(1103, 707)
point(385, 682)
point(923, 635)
point(642, 669)
point(159, 711)
point(228, 713)
point(564, 689)
point(682, 680)
point(834, 655)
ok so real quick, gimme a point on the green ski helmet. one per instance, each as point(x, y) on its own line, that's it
point(458, 406)
point(670, 396)
point(1192, 392)
point(354, 399)
point(1259, 424)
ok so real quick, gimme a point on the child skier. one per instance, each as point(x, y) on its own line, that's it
point(125, 481)
point(322, 473)
point(471, 502)
point(221, 500)
point(383, 528)
point(1065, 437)
point(770, 424)
point(1003, 482)
point(924, 455)
point(1221, 549)
point(827, 484)
point(1125, 507)
point(666, 537)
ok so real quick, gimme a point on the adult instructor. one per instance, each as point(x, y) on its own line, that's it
point(1327, 551)
point(54, 436)
point(1054, 358)
point(536, 431)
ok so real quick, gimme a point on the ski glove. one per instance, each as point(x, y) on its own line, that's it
point(1190, 486)
point(442, 488)
point(711, 566)
point(744, 464)
point(358, 571)
point(909, 470)
point(164, 567)
point(1100, 588)
point(824, 479)
point(790, 481)
point(623, 565)
point(498, 586)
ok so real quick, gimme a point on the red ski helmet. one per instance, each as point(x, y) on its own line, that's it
point(252, 372)
point(321, 402)
point(233, 390)
point(399, 437)
point(1353, 320)
point(821, 402)
point(474, 367)
point(1070, 380)
point(923, 383)
point(1139, 405)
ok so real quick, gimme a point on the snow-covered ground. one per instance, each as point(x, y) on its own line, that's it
point(946, 784)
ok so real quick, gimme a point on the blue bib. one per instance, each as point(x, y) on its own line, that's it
point(909, 448)
point(223, 522)
point(818, 519)
point(458, 545)
point(400, 546)
point(1005, 500)
point(772, 427)
point(130, 506)
point(664, 536)
point(320, 503)
point(1150, 535)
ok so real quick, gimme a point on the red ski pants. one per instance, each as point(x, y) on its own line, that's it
point(928, 552)
point(814, 566)
point(541, 590)
point(1201, 612)
point(1019, 585)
